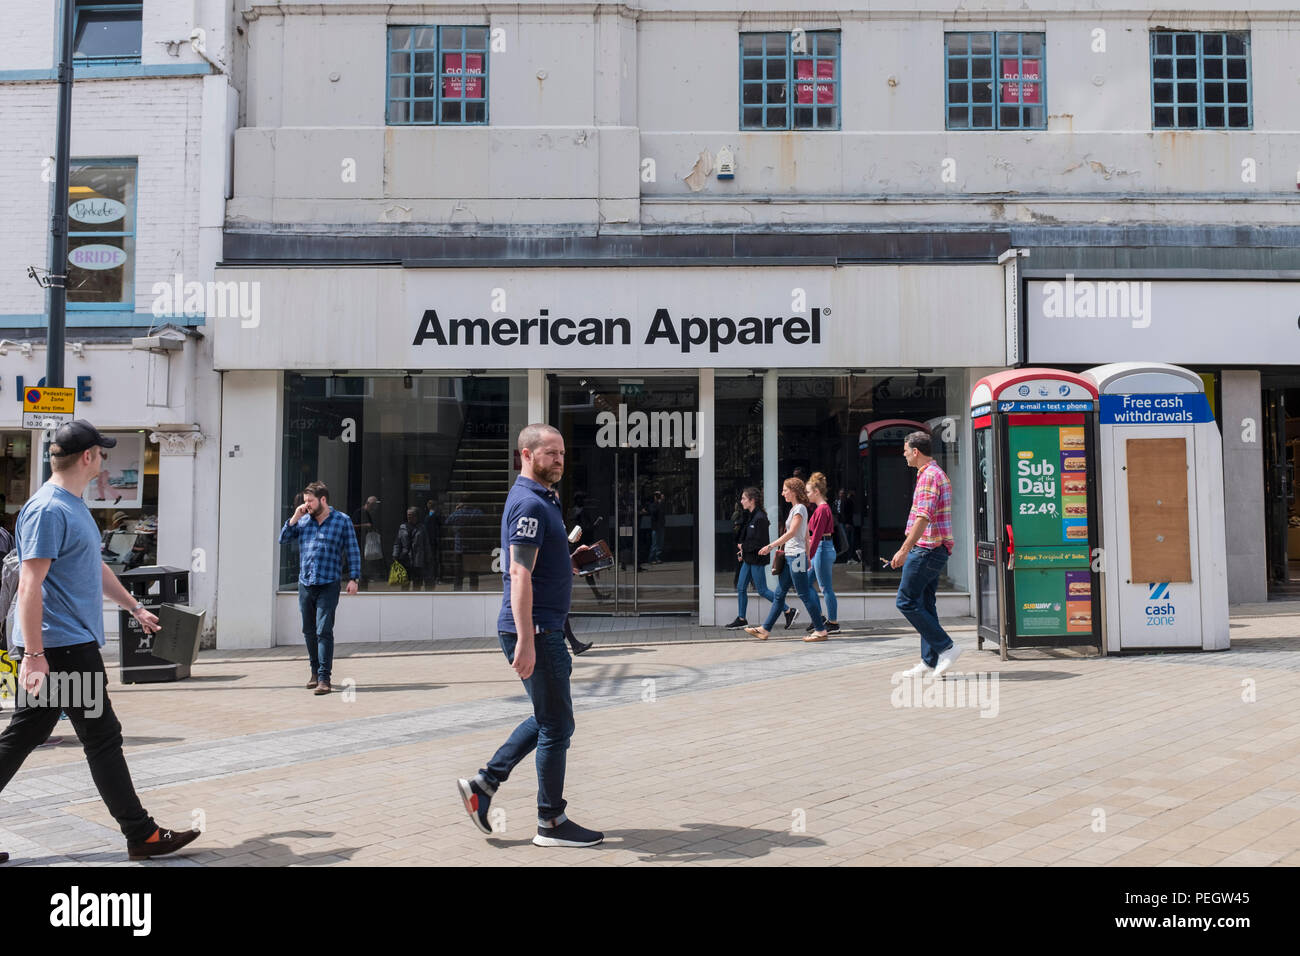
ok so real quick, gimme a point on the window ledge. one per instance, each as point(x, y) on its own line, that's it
point(115, 71)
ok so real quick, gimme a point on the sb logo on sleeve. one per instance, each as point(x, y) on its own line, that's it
point(526, 528)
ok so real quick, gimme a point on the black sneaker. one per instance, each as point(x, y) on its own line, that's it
point(737, 624)
point(566, 833)
point(790, 614)
point(476, 800)
point(832, 627)
point(809, 627)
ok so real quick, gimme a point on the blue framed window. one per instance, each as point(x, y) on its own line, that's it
point(101, 234)
point(995, 81)
point(437, 75)
point(105, 33)
point(790, 80)
point(1200, 80)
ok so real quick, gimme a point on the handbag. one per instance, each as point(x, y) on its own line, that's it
point(374, 550)
point(397, 574)
point(778, 561)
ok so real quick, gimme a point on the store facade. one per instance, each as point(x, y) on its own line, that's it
point(675, 387)
point(148, 501)
point(1242, 334)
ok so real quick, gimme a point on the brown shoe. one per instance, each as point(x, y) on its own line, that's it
point(323, 688)
point(169, 841)
point(311, 684)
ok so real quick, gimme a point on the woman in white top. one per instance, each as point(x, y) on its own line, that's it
point(795, 573)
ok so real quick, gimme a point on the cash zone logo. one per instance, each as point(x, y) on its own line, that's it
point(1160, 614)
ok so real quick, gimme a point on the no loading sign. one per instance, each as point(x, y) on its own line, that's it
point(48, 407)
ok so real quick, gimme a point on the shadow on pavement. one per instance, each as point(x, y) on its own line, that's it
point(283, 855)
point(1026, 675)
point(701, 842)
point(696, 842)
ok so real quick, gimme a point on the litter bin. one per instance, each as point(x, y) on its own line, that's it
point(153, 587)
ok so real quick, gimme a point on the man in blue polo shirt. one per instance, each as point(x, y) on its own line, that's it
point(537, 581)
point(60, 629)
point(323, 533)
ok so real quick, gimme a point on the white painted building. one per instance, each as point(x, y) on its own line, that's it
point(153, 111)
point(425, 192)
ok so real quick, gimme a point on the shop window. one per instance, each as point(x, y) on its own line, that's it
point(442, 444)
point(101, 235)
point(1200, 80)
point(123, 498)
point(851, 428)
point(106, 33)
point(995, 81)
point(437, 76)
point(790, 80)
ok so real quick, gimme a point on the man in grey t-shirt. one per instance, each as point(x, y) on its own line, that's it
point(60, 629)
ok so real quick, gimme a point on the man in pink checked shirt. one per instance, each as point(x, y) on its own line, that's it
point(924, 555)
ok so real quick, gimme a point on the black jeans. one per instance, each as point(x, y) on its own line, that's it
point(100, 735)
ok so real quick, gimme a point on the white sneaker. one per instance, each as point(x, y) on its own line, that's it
point(917, 670)
point(945, 660)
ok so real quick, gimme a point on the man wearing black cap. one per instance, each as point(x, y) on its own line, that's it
point(60, 629)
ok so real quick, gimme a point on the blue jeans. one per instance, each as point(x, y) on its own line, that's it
point(549, 728)
point(921, 570)
point(756, 573)
point(798, 579)
point(317, 603)
point(823, 563)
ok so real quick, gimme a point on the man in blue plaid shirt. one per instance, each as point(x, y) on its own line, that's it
point(322, 533)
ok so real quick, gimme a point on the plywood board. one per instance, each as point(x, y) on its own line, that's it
point(1159, 539)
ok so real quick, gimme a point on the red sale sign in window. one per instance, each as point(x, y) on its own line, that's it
point(1013, 71)
point(803, 92)
point(453, 87)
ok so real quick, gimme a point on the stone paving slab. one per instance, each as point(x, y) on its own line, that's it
point(739, 753)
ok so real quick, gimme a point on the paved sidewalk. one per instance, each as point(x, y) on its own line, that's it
point(700, 746)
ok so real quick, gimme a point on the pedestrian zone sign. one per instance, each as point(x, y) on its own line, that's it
point(48, 407)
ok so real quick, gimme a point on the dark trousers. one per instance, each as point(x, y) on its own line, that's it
point(100, 736)
point(317, 604)
point(549, 728)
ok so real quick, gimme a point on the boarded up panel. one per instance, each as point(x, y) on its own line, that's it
point(1159, 540)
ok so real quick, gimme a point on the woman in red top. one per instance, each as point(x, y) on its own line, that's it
point(821, 547)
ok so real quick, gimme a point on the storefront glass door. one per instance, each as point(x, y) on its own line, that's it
point(631, 480)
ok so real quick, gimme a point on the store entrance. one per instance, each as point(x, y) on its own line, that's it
point(631, 480)
point(1281, 507)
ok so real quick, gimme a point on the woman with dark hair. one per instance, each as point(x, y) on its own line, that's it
point(821, 546)
point(794, 572)
point(753, 566)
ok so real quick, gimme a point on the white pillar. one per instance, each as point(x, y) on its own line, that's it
point(536, 395)
point(252, 410)
point(771, 479)
point(705, 510)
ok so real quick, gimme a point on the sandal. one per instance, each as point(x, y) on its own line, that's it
point(815, 637)
point(757, 632)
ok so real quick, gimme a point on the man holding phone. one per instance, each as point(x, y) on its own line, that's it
point(323, 534)
point(537, 584)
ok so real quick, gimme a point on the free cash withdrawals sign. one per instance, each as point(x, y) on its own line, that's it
point(48, 407)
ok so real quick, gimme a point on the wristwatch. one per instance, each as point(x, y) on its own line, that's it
point(138, 607)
